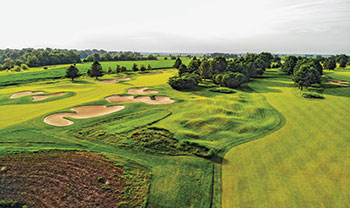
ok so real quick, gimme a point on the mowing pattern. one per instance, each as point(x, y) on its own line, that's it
point(60, 179)
point(304, 164)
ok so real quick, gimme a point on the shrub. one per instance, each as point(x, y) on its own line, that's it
point(17, 69)
point(182, 83)
point(233, 80)
point(24, 67)
point(312, 95)
point(217, 79)
point(142, 68)
point(109, 70)
point(45, 67)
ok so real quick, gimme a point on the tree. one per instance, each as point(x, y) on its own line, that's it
point(96, 57)
point(306, 75)
point(318, 66)
point(134, 67)
point(289, 64)
point(123, 69)
point(330, 63)
point(182, 83)
point(118, 69)
point(177, 63)
point(260, 65)
point(72, 72)
point(205, 70)
point(342, 59)
point(142, 68)
point(149, 68)
point(8, 63)
point(182, 69)
point(233, 80)
point(219, 64)
point(96, 70)
point(109, 70)
point(266, 59)
point(193, 65)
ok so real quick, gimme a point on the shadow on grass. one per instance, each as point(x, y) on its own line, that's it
point(81, 82)
point(337, 91)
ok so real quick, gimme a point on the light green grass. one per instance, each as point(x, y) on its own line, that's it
point(59, 71)
point(304, 164)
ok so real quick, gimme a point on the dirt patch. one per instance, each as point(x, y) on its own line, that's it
point(24, 93)
point(61, 179)
point(158, 100)
point(141, 91)
point(43, 97)
point(81, 112)
point(339, 83)
point(112, 81)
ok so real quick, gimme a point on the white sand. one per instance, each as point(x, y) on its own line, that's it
point(141, 91)
point(81, 112)
point(43, 97)
point(24, 93)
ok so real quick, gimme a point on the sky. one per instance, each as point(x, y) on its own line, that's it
point(196, 26)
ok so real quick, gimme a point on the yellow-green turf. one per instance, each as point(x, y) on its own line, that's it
point(304, 164)
point(266, 172)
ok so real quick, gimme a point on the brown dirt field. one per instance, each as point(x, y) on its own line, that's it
point(112, 81)
point(159, 100)
point(141, 91)
point(43, 97)
point(24, 93)
point(81, 112)
point(60, 179)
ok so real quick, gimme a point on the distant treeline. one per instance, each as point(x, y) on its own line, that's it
point(18, 59)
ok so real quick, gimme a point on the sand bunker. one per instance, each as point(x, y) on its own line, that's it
point(112, 81)
point(339, 83)
point(24, 93)
point(158, 100)
point(81, 112)
point(141, 91)
point(43, 97)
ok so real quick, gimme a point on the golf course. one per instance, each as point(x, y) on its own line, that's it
point(134, 140)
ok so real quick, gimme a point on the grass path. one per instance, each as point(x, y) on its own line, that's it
point(304, 164)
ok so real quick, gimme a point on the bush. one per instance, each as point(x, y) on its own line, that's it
point(109, 70)
point(24, 67)
point(17, 69)
point(233, 80)
point(312, 95)
point(142, 68)
point(182, 83)
point(45, 67)
point(217, 79)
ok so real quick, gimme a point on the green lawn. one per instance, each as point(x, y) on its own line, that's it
point(59, 71)
point(304, 164)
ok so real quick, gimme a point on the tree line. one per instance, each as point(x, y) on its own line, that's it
point(22, 59)
point(230, 73)
point(97, 71)
point(307, 71)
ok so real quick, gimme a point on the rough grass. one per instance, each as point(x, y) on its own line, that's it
point(304, 164)
point(175, 180)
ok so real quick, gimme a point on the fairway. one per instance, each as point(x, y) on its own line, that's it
point(305, 163)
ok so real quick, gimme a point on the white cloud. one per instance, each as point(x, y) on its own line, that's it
point(311, 26)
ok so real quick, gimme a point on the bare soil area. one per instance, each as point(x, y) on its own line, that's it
point(61, 179)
